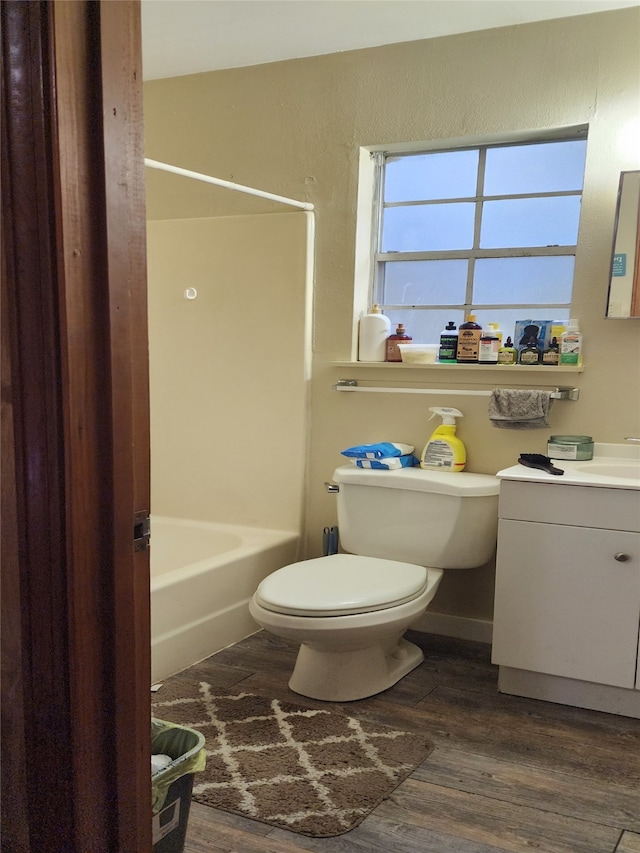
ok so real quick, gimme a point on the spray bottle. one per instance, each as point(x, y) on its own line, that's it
point(444, 451)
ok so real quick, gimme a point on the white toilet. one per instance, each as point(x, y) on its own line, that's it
point(349, 611)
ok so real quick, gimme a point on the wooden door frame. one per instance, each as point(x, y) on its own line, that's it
point(75, 431)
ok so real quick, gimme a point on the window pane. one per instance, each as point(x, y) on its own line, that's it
point(530, 222)
point(428, 228)
point(422, 177)
point(520, 281)
point(425, 282)
point(425, 326)
point(549, 167)
point(507, 317)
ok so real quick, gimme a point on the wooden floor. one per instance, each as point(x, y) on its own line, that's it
point(506, 774)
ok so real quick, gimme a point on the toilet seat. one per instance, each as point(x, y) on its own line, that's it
point(341, 585)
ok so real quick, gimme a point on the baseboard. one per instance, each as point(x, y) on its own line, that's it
point(460, 627)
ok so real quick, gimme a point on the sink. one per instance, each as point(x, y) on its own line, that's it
point(626, 468)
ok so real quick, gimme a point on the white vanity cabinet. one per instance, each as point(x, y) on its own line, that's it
point(567, 602)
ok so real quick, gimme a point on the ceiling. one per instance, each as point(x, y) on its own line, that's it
point(190, 36)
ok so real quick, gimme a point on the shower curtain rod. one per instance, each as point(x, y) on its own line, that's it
point(207, 179)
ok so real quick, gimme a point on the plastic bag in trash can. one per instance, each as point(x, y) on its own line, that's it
point(186, 749)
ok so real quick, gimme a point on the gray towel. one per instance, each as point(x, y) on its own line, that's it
point(511, 408)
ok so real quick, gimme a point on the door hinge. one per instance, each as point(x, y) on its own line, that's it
point(141, 530)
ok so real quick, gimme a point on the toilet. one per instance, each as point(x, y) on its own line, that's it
point(401, 529)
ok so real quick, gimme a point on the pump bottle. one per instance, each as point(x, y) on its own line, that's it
point(444, 451)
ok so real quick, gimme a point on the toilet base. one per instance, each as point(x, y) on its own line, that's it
point(343, 676)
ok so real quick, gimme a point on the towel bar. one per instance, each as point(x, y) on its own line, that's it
point(563, 393)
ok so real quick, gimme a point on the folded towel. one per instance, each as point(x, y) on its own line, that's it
point(511, 408)
point(387, 464)
point(377, 451)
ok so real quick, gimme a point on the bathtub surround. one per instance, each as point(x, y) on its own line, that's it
point(298, 126)
point(318, 772)
point(228, 369)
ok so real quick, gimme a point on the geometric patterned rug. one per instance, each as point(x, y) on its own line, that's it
point(316, 772)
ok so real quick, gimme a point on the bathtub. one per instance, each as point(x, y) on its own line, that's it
point(202, 577)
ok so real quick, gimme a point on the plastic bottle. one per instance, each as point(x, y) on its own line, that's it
point(571, 344)
point(488, 347)
point(374, 331)
point(400, 337)
point(551, 355)
point(531, 353)
point(468, 341)
point(444, 451)
point(448, 344)
point(497, 331)
point(508, 354)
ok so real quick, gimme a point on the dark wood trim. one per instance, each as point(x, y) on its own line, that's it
point(74, 435)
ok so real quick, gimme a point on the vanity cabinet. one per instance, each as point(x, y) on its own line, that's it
point(567, 600)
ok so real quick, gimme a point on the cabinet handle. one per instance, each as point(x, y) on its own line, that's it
point(621, 558)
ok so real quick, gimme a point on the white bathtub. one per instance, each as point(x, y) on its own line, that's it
point(202, 577)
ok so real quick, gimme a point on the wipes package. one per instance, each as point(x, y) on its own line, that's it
point(388, 464)
point(381, 450)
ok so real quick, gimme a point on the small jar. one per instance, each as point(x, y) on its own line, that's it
point(578, 447)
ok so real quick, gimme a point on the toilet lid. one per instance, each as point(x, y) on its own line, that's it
point(340, 585)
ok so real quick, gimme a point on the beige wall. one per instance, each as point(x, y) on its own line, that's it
point(295, 128)
point(228, 369)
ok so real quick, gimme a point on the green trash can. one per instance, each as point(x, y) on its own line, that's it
point(171, 786)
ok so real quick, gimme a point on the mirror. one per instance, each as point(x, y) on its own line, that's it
point(624, 284)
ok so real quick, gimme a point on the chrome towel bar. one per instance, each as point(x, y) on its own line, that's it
point(563, 393)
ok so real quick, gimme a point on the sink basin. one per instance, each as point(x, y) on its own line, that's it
point(626, 468)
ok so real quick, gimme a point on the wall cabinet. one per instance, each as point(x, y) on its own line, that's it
point(567, 601)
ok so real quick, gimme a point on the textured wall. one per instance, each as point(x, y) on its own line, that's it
point(295, 128)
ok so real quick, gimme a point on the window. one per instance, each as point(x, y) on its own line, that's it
point(489, 230)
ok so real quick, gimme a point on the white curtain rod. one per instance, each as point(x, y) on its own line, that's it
point(219, 182)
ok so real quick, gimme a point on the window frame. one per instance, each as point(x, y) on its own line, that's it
point(378, 259)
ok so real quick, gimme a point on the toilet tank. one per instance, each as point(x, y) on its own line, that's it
point(432, 518)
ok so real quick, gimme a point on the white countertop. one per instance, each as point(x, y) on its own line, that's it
point(599, 472)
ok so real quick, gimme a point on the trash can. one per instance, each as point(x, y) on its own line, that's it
point(171, 786)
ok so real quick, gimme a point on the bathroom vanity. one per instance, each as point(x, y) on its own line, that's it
point(567, 602)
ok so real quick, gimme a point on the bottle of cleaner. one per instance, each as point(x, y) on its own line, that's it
point(374, 331)
point(400, 337)
point(571, 344)
point(448, 344)
point(468, 341)
point(444, 451)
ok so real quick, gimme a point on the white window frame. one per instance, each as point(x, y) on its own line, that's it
point(369, 213)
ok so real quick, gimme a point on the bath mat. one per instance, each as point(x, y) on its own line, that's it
point(315, 772)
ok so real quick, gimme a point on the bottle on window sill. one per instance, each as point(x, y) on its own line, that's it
point(551, 355)
point(507, 354)
point(400, 337)
point(469, 334)
point(531, 353)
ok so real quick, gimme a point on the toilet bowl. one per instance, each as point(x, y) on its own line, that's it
point(348, 613)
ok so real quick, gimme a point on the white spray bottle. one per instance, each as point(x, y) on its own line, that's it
point(444, 451)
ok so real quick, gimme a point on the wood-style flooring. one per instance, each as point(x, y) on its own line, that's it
point(506, 774)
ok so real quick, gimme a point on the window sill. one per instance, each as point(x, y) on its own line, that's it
point(474, 368)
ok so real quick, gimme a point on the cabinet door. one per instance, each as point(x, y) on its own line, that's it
point(564, 605)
